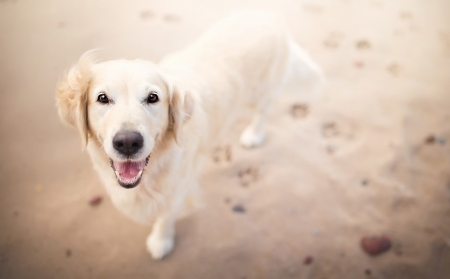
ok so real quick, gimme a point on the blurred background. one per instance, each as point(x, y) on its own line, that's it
point(371, 158)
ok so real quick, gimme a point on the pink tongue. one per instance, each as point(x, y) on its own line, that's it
point(129, 169)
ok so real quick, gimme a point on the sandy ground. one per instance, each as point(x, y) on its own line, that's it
point(359, 162)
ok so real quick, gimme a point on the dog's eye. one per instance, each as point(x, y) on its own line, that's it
point(102, 98)
point(152, 98)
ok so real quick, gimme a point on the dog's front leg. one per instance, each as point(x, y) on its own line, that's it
point(162, 239)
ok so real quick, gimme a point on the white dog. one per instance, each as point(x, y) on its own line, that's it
point(146, 125)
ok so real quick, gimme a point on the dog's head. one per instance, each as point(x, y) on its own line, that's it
point(125, 107)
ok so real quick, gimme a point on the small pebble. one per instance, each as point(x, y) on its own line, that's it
point(308, 260)
point(239, 208)
point(430, 139)
point(375, 245)
point(95, 200)
point(358, 64)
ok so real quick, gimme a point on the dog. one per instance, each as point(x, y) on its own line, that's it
point(147, 126)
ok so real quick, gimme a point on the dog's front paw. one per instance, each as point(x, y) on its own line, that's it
point(159, 246)
point(251, 138)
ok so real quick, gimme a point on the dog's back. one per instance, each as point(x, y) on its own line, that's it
point(247, 59)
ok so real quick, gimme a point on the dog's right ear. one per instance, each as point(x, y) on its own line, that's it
point(72, 96)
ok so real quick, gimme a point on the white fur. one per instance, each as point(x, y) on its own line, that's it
point(245, 60)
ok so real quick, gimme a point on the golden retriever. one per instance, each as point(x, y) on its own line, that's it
point(146, 125)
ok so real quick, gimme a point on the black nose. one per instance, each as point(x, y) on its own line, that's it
point(128, 142)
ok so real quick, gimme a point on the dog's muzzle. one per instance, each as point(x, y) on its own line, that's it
point(128, 172)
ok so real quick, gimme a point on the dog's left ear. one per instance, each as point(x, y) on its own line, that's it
point(72, 94)
point(181, 106)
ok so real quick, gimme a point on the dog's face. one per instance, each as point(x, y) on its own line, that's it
point(126, 107)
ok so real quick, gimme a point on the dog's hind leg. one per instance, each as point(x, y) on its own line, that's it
point(254, 134)
point(301, 72)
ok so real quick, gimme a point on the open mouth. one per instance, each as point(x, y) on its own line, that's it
point(128, 173)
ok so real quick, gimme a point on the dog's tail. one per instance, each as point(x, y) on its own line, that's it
point(303, 76)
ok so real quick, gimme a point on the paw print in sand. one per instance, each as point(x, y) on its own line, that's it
point(334, 39)
point(394, 69)
point(222, 154)
point(340, 134)
point(300, 110)
point(363, 45)
point(147, 14)
point(172, 18)
point(330, 130)
point(248, 176)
